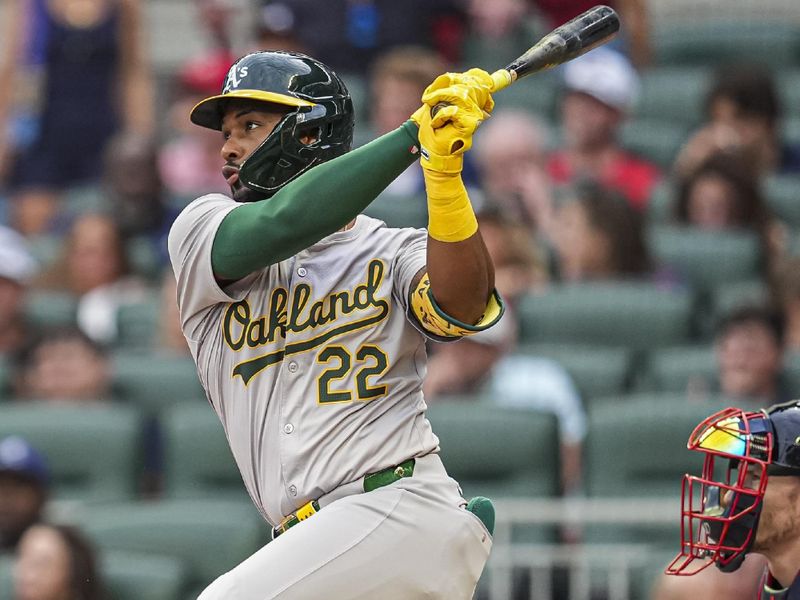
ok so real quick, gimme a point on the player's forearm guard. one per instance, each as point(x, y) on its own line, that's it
point(435, 321)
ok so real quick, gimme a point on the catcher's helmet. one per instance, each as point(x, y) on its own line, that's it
point(318, 102)
point(721, 508)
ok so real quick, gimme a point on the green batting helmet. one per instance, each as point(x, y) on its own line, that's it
point(318, 103)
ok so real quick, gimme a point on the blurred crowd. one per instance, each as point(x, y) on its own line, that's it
point(93, 171)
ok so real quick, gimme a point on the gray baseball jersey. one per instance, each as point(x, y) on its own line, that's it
point(312, 364)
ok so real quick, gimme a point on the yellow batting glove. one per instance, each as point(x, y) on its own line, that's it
point(461, 89)
point(445, 137)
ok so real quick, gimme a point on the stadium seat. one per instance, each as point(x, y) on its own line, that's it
point(138, 323)
point(46, 248)
point(730, 296)
point(399, 211)
point(144, 257)
point(782, 193)
point(45, 309)
point(6, 576)
point(716, 42)
point(791, 362)
point(495, 451)
point(140, 576)
point(635, 314)
point(5, 379)
point(154, 381)
point(706, 259)
point(637, 449)
point(197, 460)
point(675, 369)
point(673, 95)
point(596, 370)
point(656, 140)
point(789, 89)
point(209, 537)
point(661, 204)
point(92, 450)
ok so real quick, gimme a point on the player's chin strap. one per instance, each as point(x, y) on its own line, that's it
point(739, 532)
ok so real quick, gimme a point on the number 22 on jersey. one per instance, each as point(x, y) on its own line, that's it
point(346, 378)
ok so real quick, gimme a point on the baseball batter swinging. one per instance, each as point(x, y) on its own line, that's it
point(308, 321)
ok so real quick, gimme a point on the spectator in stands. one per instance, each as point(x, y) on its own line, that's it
point(56, 562)
point(722, 194)
point(598, 235)
point(600, 88)
point(511, 161)
point(749, 350)
point(17, 267)
point(170, 338)
point(348, 36)
point(787, 297)
point(189, 163)
point(24, 482)
point(634, 37)
point(96, 268)
point(487, 361)
point(398, 79)
point(743, 114)
point(62, 365)
point(87, 59)
point(496, 31)
point(277, 27)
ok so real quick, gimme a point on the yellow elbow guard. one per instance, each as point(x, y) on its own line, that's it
point(435, 321)
point(450, 214)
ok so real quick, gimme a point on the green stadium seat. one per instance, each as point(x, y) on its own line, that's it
point(140, 576)
point(209, 537)
point(46, 248)
point(358, 87)
point(5, 379)
point(707, 259)
point(715, 42)
point(673, 95)
point(144, 257)
point(92, 450)
point(45, 309)
point(791, 363)
point(596, 370)
point(197, 459)
point(656, 140)
point(727, 297)
point(138, 323)
point(672, 369)
point(496, 451)
point(154, 381)
point(789, 88)
point(660, 206)
point(399, 211)
point(637, 449)
point(635, 314)
point(782, 193)
point(6, 576)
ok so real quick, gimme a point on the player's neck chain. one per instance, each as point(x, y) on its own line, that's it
point(292, 313)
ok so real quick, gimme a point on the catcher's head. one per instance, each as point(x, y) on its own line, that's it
point(723, 510)
point(313, 118)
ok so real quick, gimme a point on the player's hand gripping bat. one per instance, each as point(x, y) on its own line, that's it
point(596, 26)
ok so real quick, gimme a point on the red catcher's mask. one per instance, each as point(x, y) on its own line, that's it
point(720, 509)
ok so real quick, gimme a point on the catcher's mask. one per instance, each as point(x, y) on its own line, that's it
point(720, 509)
point(316, 100)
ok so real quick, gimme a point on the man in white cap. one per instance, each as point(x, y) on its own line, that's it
point(17, 266)
point(600, 88)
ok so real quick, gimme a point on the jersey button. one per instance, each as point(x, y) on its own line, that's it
point(302, 271)
point(288, 428)
point(293, 490)
point(292, 367)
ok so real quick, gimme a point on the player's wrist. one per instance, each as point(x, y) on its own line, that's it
point(450, 214)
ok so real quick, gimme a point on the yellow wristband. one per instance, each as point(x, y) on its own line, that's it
point(450, 215)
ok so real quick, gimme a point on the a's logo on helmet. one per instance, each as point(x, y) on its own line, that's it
point(234, 79)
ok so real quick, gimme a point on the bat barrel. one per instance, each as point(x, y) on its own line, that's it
point(572, 39)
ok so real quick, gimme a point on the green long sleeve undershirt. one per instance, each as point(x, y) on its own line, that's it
point(316, 204)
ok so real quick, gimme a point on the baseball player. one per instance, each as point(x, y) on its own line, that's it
point(308, 321)
point(747, 498)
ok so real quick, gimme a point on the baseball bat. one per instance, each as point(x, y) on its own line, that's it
point(588, 30)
